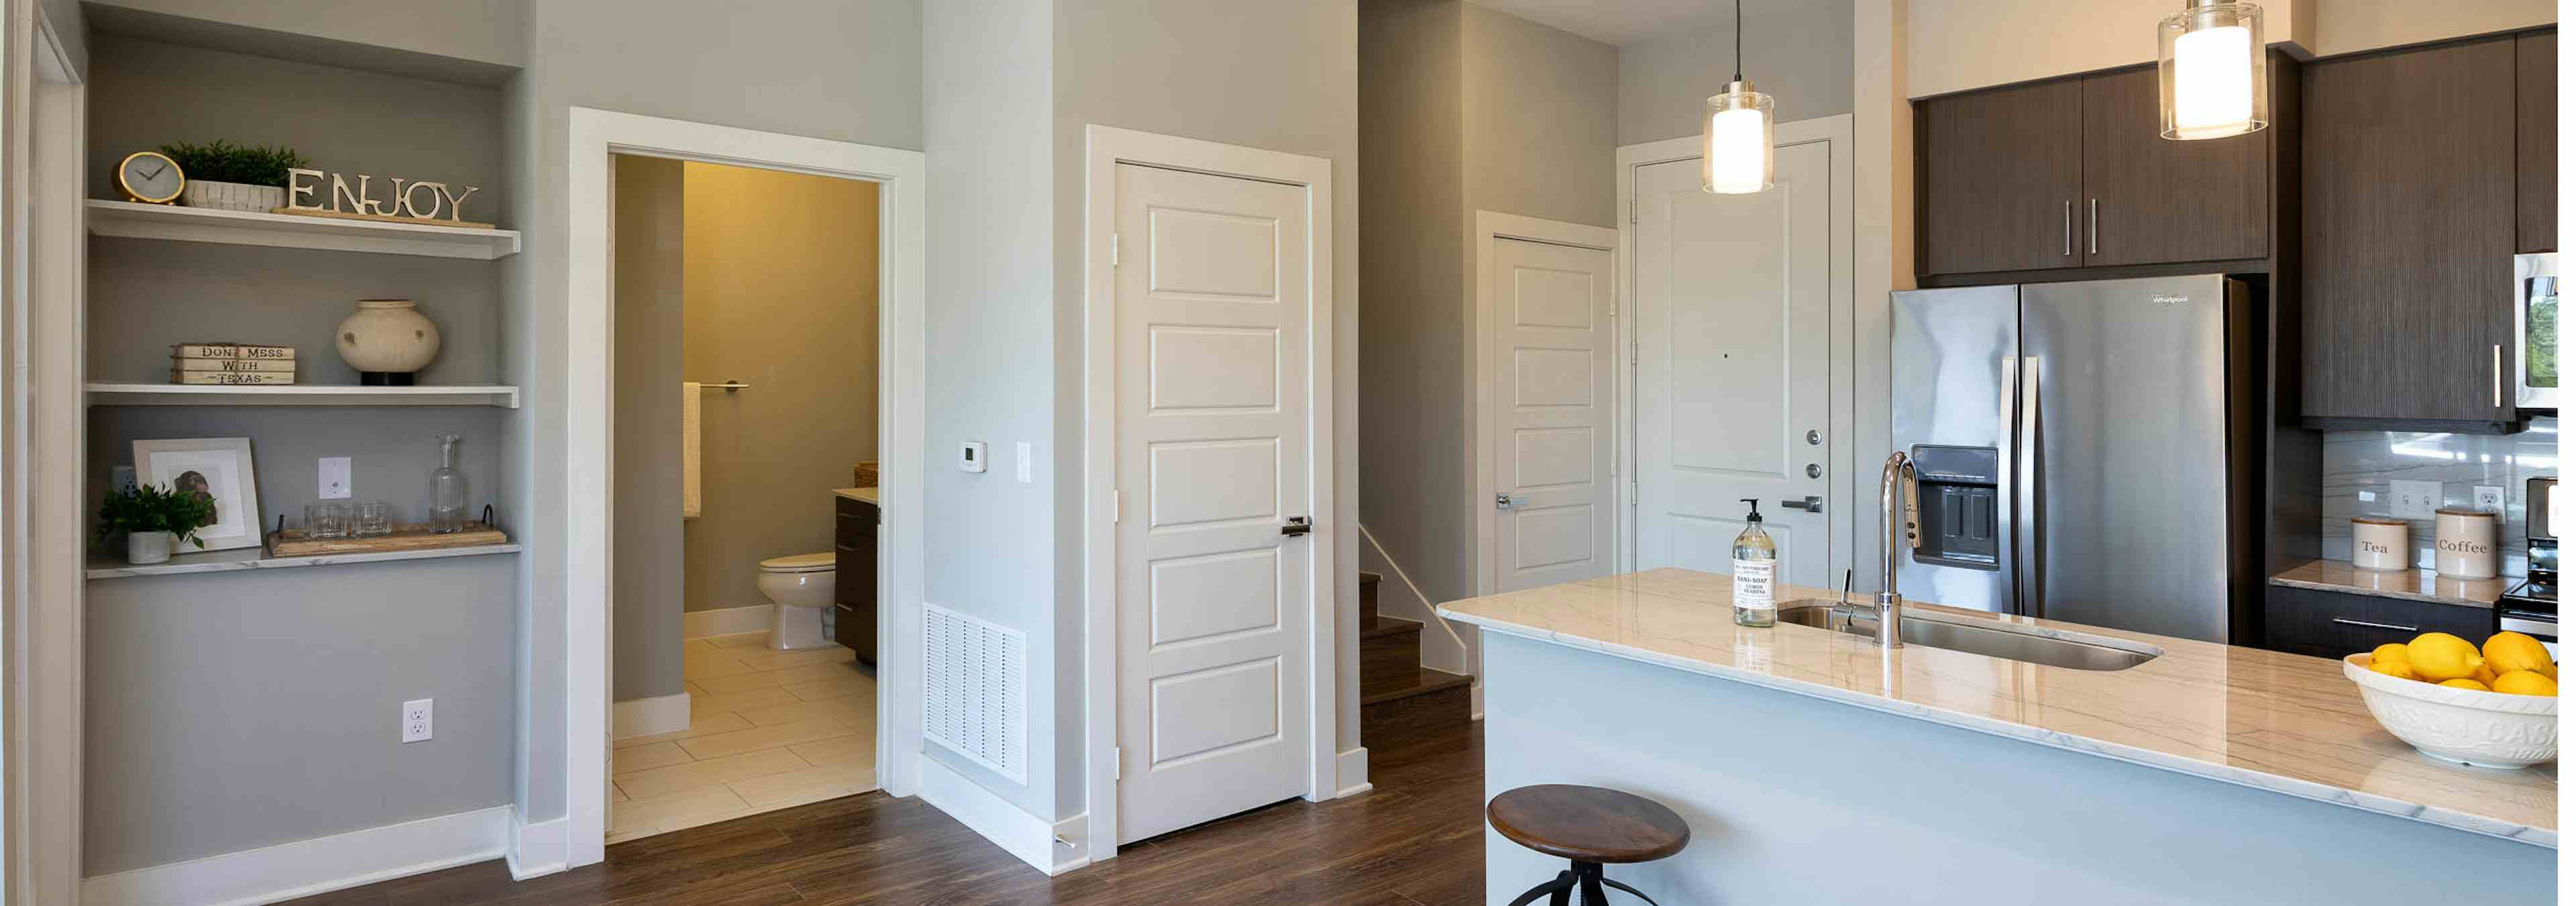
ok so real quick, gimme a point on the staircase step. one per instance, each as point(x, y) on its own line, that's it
point(1390, 655)
point(1437, 702)
point(1368, 598)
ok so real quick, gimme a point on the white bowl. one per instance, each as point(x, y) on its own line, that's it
point(2469, 726)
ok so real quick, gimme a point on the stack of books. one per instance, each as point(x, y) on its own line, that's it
point(231, 364)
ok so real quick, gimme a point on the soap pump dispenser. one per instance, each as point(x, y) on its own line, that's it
point(1757, 564)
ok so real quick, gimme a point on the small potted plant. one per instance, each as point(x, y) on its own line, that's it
point(229, 177)
point(154, 520)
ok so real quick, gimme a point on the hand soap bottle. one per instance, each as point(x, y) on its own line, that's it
point(1757, 561)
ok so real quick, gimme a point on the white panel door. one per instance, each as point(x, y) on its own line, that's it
point(1552, 412)
point(1214, 602)
point(1733, 316)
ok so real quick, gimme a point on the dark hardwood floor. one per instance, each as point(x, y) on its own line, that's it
point(1417, 839)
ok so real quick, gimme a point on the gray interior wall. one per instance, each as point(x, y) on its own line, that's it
point(483, 31)
point(1540, 118)
point(1276, 76)
point(1801, 56)
point(147, 294)
point(848, 71)
point(991, 326)
point(646, 595)
point(69, 31)
point(247, 709)
point(391, 452)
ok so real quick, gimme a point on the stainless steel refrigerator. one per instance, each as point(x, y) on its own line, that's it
point(2073, 442)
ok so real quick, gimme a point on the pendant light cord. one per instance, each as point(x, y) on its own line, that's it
point(1739, 40)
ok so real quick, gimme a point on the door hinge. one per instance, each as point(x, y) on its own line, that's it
point(1632, 352)
point(1117, 763)
point(1633, 495)
point(1117, 506)
point(1113, 250)
point(1632, 210)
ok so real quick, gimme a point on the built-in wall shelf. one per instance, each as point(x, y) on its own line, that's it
point(257, 558)
point(295, 231)
point(112, 394)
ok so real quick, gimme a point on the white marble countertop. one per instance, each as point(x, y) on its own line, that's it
point(862, 495)
point(2263, 719)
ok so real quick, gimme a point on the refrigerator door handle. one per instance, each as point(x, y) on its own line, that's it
point(2007, 492)
point(2029, 596)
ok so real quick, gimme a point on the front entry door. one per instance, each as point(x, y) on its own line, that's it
point(1215, 601)
point(1734, 296)
point(1555, 359)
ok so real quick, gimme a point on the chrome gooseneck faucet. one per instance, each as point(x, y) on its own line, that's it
point(1898, 512)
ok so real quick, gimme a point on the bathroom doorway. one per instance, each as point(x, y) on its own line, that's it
point(746, 436)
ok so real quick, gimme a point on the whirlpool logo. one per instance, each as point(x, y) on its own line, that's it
point(2168, 299)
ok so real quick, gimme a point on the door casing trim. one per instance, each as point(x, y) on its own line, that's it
point(1105, 148)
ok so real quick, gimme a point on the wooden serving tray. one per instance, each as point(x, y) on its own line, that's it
point(292, 543)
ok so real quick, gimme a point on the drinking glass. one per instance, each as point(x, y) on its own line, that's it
point(375, 519)
point(326, 520)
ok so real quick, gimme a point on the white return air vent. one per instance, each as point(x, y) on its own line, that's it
point(975, 690)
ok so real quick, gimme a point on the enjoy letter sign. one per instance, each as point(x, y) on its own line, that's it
point(407, 202)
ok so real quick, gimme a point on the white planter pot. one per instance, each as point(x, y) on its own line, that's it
point(232, 196)
point(142, 548)
point(387, 335)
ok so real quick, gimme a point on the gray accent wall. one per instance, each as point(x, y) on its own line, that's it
point(231, 711)
point(1801, 56)
point(646, 595)
point(848, 71)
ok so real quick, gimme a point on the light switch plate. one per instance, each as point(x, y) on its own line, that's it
point(1023, 450)
point(2490, 498)
point(335, 478)
point(2414, 499)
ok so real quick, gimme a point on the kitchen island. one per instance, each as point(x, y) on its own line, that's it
point(1814, 767)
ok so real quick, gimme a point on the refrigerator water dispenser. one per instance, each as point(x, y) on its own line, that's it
point(1961, 524)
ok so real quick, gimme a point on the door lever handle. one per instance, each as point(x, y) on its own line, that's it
point(1503, 500)
point(1297, 525)
point(1812, 504)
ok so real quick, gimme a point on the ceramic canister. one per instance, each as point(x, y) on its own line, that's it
point(2464, 544)
point(2379, 542)
point(389, 336)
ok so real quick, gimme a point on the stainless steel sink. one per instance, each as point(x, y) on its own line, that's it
point(1918, 629)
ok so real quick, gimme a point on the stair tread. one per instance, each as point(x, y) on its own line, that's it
point(1427, 681)
point(1385, 626)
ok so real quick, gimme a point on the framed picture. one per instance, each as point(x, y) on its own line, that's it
point(219, 467)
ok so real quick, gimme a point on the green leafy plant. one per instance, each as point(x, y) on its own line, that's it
point(223, 161)
point(146, 508)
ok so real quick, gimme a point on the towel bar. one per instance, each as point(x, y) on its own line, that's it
point(728, 386)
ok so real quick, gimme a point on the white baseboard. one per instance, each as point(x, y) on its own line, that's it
point(537, 849)
point(1351, 770)
point(647, 716)
point(1016, 832)
point(306, 867)
point(699, 624)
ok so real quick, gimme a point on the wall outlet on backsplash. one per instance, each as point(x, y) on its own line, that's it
point(2414, 499)
point(2490, 498)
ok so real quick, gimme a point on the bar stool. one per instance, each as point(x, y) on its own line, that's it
point(1590, 826)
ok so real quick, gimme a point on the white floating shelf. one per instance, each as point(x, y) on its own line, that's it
point(161, 221)
point(110, 394)
point(250, 558)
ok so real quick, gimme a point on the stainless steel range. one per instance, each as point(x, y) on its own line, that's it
point(2531, 608)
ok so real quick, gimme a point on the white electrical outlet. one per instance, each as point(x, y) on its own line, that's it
point(2490, 498)
point(2414, 499)
point(415, 720)
point(335, 478)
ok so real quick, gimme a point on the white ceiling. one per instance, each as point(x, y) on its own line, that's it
point(1628, 21)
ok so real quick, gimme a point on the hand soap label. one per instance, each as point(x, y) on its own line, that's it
point(1753, 584)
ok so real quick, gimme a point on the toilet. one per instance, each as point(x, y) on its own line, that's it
point(800, 587)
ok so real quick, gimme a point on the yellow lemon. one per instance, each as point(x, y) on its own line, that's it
point(2396, 669)
point(2525, 682)
point(2393, 651)
point(2507, 652)
point(2465, 684)
point(2438, 656)
point(2485, 675)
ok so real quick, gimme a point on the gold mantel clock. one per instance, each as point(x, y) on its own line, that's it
point(150, 177)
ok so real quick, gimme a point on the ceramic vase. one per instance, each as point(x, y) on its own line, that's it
point(144, 548)
point(386, 341)
point(232, 196)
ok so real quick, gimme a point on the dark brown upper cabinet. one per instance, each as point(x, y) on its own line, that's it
point(2071, 173)
point(2000, 172)
point(2408, 223)
point(2535, 100)
point(2148, 200)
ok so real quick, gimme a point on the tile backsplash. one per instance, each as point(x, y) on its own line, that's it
point(2364, 462)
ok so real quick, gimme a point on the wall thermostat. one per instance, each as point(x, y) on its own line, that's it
point(971, 456)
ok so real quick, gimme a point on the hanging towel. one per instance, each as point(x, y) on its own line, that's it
point(689, 503)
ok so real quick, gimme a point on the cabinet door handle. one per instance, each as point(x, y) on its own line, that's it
point(2092, 226)
point(2066, 223)
point(2372, 625)
point(2495, 373)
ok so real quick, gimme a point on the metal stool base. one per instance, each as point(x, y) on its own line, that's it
point(1585, 879)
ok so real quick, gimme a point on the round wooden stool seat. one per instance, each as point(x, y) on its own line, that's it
point(1588, 823)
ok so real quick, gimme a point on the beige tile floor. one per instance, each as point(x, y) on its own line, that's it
point(767, 730)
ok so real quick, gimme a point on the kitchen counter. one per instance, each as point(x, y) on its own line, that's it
point(2285, 723)
point(2408, 585)
point(862, 495)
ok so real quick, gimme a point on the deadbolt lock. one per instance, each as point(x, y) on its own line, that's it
point(1815, 437)
point(1815, 471)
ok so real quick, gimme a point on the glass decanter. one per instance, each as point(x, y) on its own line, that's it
point(447, 489)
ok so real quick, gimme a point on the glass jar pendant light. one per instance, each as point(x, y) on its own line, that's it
point(2210, 70)
point(1735, 142)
